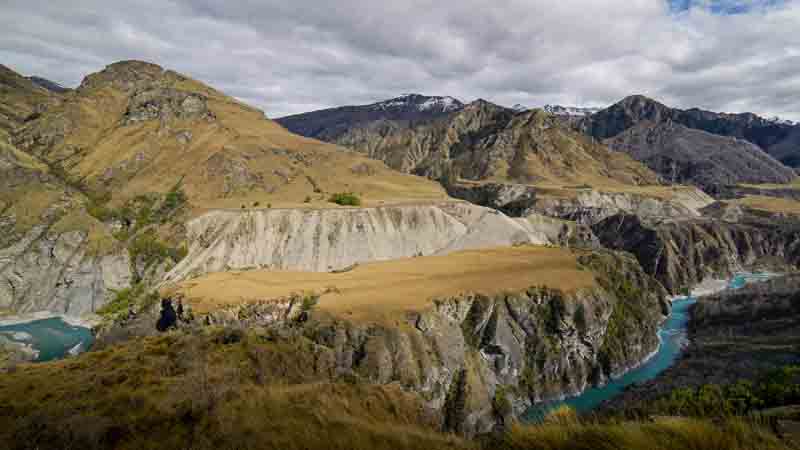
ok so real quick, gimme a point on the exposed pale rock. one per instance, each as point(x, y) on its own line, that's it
point(330, 239)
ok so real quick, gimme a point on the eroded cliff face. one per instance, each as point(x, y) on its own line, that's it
point(681, 253)
point(54, 256)
point(58, 273)
point(584, 206)
point(479, 361)
point(332, 239)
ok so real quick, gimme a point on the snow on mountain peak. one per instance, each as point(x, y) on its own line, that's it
point(420, 103)
point(570, 110)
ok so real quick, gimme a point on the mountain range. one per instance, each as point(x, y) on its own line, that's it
point(412, 273)
point(693, 146)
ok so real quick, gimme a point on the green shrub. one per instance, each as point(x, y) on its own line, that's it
point(345, 199)
point(149, 249)
point(310, 301)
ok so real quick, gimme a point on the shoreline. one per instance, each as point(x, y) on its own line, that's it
point(17, 319)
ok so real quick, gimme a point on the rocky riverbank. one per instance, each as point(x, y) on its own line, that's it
point(734, 335)
point(478, 360)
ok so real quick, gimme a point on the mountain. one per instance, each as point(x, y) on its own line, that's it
point(329, 124)
point(51, 86)
point(136, 128)
point(685, 155)
point(570, 110)
point(484, 141)
point(780, 139)
point(96, 186)
point(20, 100)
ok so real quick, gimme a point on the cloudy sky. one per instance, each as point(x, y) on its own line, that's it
point(289, 56)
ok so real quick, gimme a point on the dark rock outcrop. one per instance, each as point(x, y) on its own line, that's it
point(779, 139)
point(681, 253)
point(688, 156)
point(583, 205)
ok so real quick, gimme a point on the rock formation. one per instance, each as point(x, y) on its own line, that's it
point(681, 253)
point(328, 239)
point(698, 146)
point(482, 360)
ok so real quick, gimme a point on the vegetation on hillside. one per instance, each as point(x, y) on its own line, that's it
point(219, 388)
point(345, 199)
point(776, 388)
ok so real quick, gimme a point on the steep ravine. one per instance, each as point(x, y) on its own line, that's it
point(683, 252)
point(478, 361)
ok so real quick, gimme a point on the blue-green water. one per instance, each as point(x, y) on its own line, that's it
point(674, 338)
point(53, 338)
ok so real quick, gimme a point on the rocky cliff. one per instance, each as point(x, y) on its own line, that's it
point(54, 256)
point(332, 239)
point(582, 205)
point(479, 361)
point(681, 253)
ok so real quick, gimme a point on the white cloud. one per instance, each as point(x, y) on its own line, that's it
point(288, 57)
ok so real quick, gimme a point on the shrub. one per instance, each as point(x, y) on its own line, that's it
point(345, 199)
point(310, 301)
point(307, 200)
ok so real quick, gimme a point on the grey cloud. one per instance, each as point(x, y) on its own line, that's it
point(294, 56)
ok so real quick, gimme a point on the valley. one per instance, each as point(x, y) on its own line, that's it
point(412, 271)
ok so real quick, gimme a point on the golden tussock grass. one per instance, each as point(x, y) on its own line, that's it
point(196, 391)
point(228, 389)
point(385, 289)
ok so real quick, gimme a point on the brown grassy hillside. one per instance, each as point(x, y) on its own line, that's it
point(385, 289)
point(135, 128)
point(20, 100)
point(227, 389)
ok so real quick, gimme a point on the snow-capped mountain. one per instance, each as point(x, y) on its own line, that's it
point(570, 110)
point(417, 102)
point(328, 124)
point(779, 121)
point(519, 108)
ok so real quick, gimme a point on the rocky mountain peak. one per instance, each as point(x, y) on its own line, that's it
point(124, 75)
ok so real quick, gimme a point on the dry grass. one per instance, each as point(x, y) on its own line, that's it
point(239, 158)
point(772, 186)
point(100, 240)
point(196, 391)
point(770, 204)
point(384, 289)
point(226, 389)
point(664, 434)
